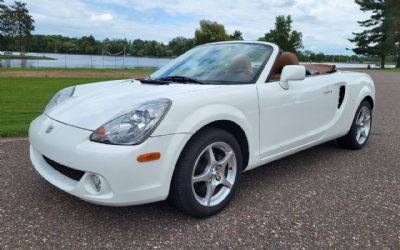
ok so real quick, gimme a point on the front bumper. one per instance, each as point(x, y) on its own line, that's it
point(124, 181)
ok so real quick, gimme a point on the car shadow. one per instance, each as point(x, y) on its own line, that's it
point(162, 213)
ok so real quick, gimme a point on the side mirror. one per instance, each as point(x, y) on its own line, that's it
point(292, 73)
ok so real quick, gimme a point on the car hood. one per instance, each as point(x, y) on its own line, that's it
point(93, 105)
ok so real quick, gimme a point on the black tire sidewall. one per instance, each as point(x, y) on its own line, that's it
point(352, 135)
point(183, 173)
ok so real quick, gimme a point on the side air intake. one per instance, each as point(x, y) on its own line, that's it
point(342, 92)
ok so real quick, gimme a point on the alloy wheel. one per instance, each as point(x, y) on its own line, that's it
point(363, 125)
point(214, 174)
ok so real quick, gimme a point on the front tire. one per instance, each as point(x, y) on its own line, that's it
point(207, 173)
point(360, 129)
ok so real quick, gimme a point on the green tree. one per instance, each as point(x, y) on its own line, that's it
point(180, 45)
point(115, 46)
point(283, 35)
point(70, 47)
point(306, 56)
point(23, 24)
point(6, 26)
point(137, 48)
point(156, 49)
point(236, 36)
point(210, 32)
point(381, 29)
point(3, 8)
point(88, 45)
point(393, 16)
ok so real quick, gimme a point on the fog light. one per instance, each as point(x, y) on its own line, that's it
point(96, 182)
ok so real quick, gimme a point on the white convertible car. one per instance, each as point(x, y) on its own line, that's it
point(188, 131)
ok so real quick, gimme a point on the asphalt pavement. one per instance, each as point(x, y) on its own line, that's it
point(322, 198)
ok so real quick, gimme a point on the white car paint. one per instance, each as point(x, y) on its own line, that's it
point(276, 122)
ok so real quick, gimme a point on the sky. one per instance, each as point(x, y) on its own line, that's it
point(326, 25)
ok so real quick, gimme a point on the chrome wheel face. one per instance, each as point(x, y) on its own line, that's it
point(214, 174)
point(363, 125)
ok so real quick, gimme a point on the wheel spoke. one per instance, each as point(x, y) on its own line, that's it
point(358, 136)
point(226, 183)
point(367, 118)
point(205, 176)
point(224, 162)
point(359, 119)
point(210, 192)
point(211, 156)
point(364, 133)
point(363, 113)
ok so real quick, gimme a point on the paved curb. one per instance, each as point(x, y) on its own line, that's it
point(13, 139)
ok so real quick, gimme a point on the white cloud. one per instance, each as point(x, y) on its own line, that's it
point(326, 25)
point(102, 17)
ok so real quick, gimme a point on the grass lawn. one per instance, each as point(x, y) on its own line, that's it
point(137, 70)
point(393, 70)
point(23, 99)
point(12, 57)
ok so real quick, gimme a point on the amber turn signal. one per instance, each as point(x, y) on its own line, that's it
point(149, 157)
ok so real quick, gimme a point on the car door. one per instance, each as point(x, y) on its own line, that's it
point(297, 116)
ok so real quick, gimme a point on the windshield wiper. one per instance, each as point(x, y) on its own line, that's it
point(153, 81)
point(181, 79)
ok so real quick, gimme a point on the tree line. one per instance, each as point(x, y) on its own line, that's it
point(380, 40)
point(89, 45)
point(381, 36)
point(208, 32)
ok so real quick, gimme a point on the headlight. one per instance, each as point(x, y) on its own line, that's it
point(134, 127)
point(59, 97)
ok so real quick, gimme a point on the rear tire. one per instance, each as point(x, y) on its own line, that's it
point(207, 173)
point(360, 130)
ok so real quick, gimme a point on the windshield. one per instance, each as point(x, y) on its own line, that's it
point(224, 63)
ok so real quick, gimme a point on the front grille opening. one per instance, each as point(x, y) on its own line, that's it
point(68, 172)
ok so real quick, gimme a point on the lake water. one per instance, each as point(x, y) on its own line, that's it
point(86, 61)
point(111, 62)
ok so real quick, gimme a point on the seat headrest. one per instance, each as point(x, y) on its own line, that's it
point(240, 62)
point(287, 58)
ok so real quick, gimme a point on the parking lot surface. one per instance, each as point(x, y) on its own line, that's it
point(324, 197)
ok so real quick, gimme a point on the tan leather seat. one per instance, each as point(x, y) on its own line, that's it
point(321, 68)
point(287, 58)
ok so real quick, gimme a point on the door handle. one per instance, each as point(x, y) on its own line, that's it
point(328, 92)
